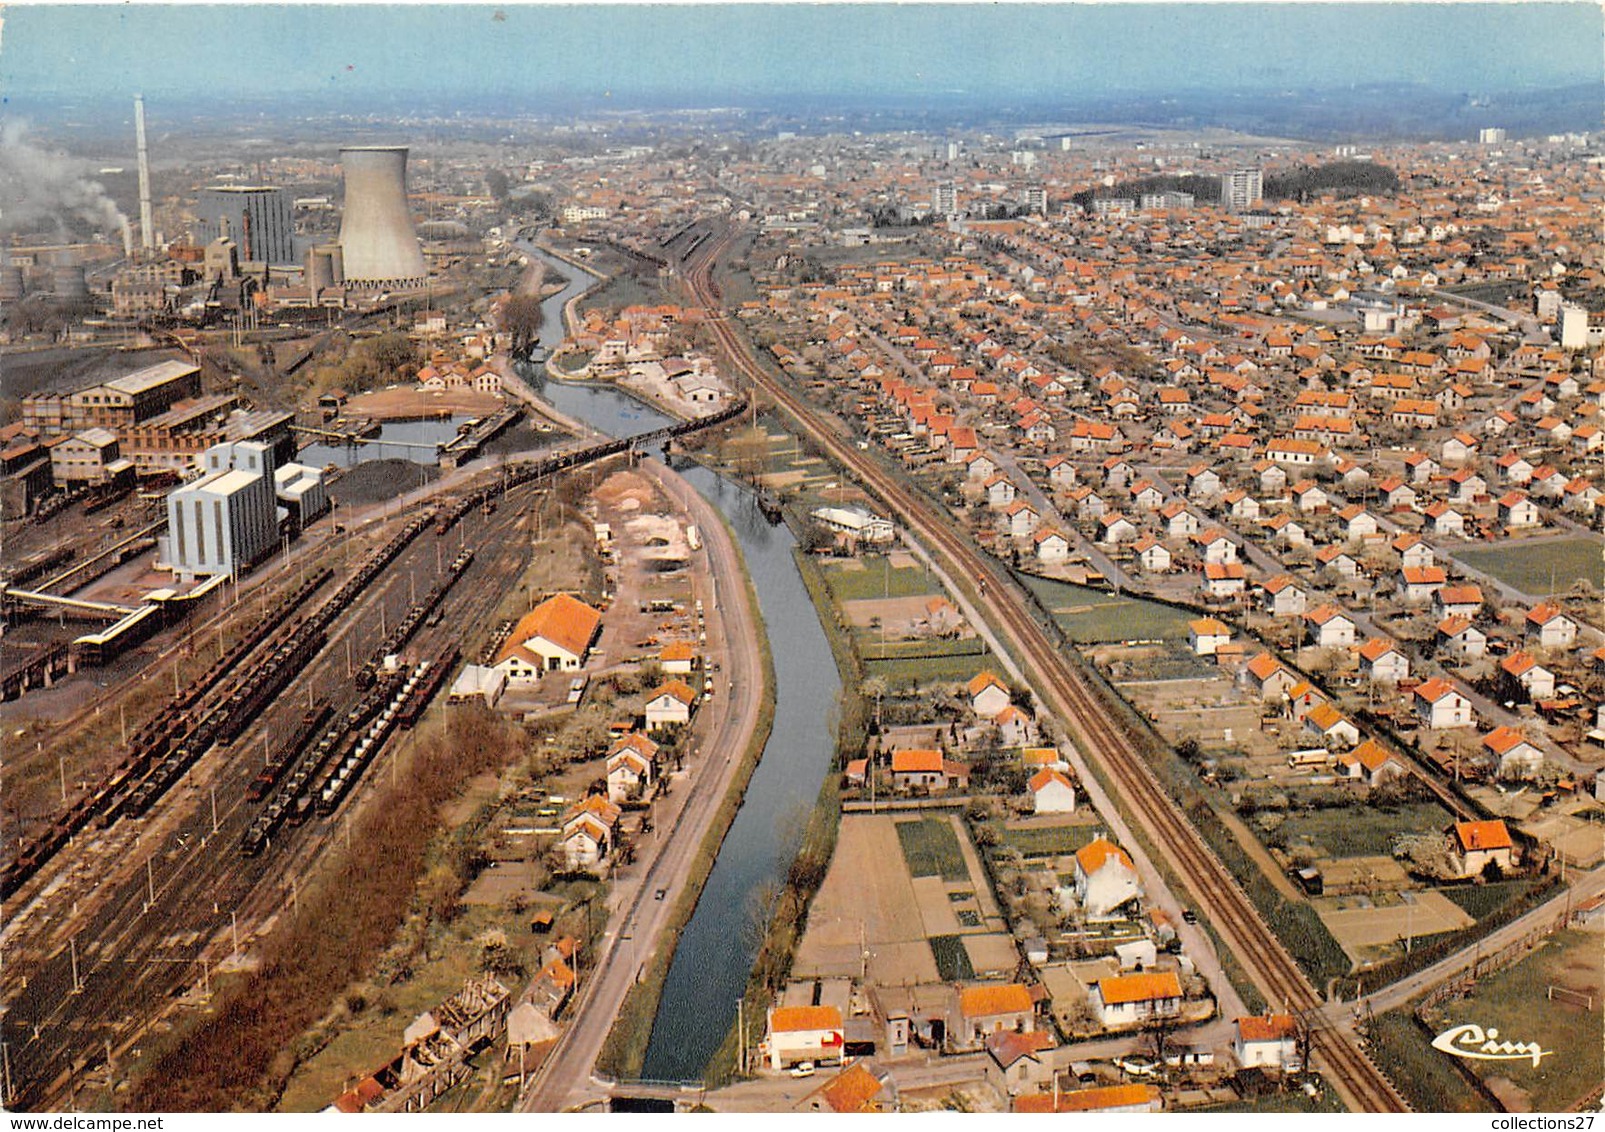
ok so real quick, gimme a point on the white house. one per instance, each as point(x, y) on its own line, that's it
point(1269, 1041)
point(1052, 793)
point(1129, 1000)
point(988, 695)
point(1515, 756)
point(1104, 878)
point(669, 705)
point(1549, 628)
point(803, 1033)
point(1439, 705)
point(1383, 661)
point(1051, 546)
point(1330, 627)
point(557, 635)
point(1473, 845)
point(1206, 634)
point(631, 767)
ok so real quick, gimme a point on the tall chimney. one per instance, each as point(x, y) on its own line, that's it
point(147, 229)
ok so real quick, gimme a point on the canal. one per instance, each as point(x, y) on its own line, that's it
point(717, 948)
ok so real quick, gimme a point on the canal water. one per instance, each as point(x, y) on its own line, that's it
point(397, 440)
point(717, 948)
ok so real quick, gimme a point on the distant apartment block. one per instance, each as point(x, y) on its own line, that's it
point(1242, 189)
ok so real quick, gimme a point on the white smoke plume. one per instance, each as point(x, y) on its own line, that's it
point(37, 184)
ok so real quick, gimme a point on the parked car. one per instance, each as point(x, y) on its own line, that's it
point(803, 1069)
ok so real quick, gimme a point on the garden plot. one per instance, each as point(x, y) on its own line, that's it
point(1186, 698)
point(1362, 924)
point(912, 894)
point(867, 903)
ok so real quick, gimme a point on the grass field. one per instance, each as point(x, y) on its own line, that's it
point(1541, 569)
point(1424, 1076)
point(1362, 831)
point(1481, 900)
point(1089, 615)
point(952, 961)
point(900, 674)
point(931, 849)
point(971, 647)
point(1516, 1002)
point(1047, 841)
point(874, 577)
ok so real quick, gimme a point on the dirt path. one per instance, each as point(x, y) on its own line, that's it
point(1262, 857)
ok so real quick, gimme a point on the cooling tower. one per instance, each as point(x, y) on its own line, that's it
point(376, 233)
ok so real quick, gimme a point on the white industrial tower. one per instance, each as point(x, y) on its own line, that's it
point(147, 232)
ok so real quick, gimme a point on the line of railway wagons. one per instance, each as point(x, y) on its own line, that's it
point(160, 738)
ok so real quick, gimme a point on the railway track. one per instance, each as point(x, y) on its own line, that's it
point(1097, 731)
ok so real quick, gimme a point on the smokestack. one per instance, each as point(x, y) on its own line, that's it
point(379, 243)
point(147, 230)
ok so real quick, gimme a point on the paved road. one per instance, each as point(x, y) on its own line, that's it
point(637, 919)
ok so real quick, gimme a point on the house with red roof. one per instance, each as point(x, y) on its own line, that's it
point(1268, 1041)
point(1052, 792)
point(557, 635)
point(1512, 754)
point(1474, 845)
point(802, 1033)
point(1130, 1000)
point(993, 1008)
point(1439, 705)
point(1549, 628)
point(669, 705)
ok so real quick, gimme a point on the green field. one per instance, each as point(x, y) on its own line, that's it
point(1481, 900)
point(1087, 615)
point(952, 961)
point(1362, 831)
point(971, 647)
point(904, 674)
point(877, 578)
point(1048, 841)
point(931, 849)
point(1516, 1001)
point(1541, 569)
point(1425, 1077)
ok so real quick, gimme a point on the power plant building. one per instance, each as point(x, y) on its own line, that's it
point(259, 219)
point(378, 242)
point(228, 519)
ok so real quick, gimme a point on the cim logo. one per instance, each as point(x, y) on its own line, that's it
point(1471, 1041)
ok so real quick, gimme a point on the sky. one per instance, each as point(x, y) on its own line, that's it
point(718, 54)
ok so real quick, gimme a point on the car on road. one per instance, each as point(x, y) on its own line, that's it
point(660, 894)
point(1189, 916)
point(803, 1069)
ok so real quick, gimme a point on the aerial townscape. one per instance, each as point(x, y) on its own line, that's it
point(860, 558)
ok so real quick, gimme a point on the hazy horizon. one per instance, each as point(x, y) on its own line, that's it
point(656, 55)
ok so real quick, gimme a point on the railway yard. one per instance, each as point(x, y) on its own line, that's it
point(165, 865)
